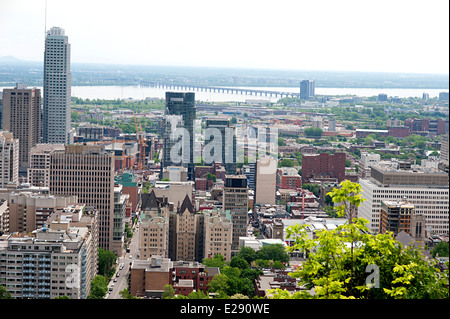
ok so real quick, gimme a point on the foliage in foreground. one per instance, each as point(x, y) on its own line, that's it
point(350, 262)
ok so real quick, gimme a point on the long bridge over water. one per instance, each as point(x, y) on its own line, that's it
point(219, 89)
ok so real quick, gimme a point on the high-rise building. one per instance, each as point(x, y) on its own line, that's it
point(87, 171)
point(39, 165)
point(22, 117)
point(307, 88)
point(29, 211)
point(56, 120)
point(443, 96)
point(59, 260)
point(332, 125)
point(186, 233)
point(366, 162)
point(235, 201)
point(250, 171)
point(426, 189)
point(218, 234)
point(443, 157)
point(382, 97)
point(227, 144)
point(178, 148)
point(266, 181)
point(1, 108)
point(120, 205)
point(154, 227)
point(9, 160)
point(395, 216)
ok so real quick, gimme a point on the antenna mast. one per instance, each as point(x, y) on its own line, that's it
point(45, 20)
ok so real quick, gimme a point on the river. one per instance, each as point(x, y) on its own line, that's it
point(138, 92)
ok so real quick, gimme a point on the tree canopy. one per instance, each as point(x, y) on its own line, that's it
point(351, 262)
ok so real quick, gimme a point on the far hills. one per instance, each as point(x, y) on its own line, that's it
point(13, 70)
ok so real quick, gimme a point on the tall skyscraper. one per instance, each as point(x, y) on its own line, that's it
point(56, 125)
point(307, 89)
point(226, 144)
point(22, 117)
point(87, 171)
point(178, 149)
point(266, 179)
point(235, 202)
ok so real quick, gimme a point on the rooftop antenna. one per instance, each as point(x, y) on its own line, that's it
point(45, 19)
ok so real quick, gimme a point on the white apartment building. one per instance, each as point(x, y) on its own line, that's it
point(120, 204)
point(9, 160)
point(427, 190)
point(39, 164)
point(218, 234)
point(366, 162)
point(56, 120)
point(58, 261)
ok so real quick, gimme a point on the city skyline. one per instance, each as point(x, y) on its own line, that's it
point(404, 36)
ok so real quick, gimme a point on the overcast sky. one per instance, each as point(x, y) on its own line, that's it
point(347, 35)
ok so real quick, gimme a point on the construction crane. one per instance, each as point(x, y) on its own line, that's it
point(142, 143)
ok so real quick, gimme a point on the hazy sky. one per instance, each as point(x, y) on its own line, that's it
point(348, 35)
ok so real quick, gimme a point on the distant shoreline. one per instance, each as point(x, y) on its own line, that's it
point(92, 74)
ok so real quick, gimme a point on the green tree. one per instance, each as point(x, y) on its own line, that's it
point(313, 188)
point(348, 198)
point(313, 132)
point(273, 252)
point(286, 162)
point(238, 262)
point(168, 293)
point(341, 261)
point(198, 295)
point(247, 253)
point(441, 249)
point(106, 262)
point(331, 212)
point(125, 294)
point(4, 294)
point(99, 287)
point(216, 261)
point(219, 284)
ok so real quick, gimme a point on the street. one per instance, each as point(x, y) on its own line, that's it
point(119, 283)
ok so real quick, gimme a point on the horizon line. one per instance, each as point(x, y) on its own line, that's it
point(18, 60)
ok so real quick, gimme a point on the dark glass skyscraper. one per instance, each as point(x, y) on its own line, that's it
point(178, 136)
point(227, 144)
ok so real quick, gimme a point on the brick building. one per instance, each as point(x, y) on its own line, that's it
point(148, 277)
point(288, 178)
point(399, 131)
point(323, 166)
